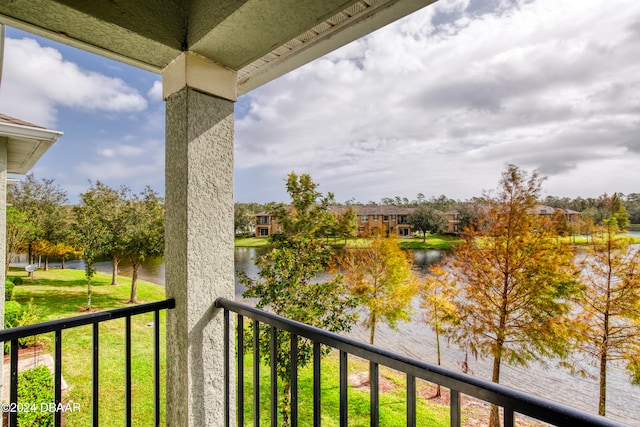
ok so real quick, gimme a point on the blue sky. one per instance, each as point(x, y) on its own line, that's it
point(437, 103)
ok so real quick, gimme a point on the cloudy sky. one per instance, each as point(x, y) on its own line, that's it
point(437, 103)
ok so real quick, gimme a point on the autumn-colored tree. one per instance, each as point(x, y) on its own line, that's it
point(517, 278)
point(610, 304)
point(288, 282)
point(379, 276)
point(437, 295)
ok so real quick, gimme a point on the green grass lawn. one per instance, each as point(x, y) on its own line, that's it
point(63, 293)
point(392, 402)
point(251, 242)
point(433, 241)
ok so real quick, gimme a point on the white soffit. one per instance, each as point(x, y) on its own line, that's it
point(25, 145)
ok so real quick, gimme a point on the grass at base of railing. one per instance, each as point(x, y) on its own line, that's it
point(392, 402)
point(63, 293)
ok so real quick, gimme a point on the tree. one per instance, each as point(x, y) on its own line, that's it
point(517, 280)
point(288, 284)
point(112, 202)
point(243, 218)
point(609, 307)
point(143, 235)
point(437, 293)
point(19, 232)
point(379, 276)
point(427, 220)
point(346, 224)
point(91, 234)
point(470, 215)
point(43, 202)
point(632, 205)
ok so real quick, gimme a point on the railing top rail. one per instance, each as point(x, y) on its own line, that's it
point(523, 403)
point(85, 319)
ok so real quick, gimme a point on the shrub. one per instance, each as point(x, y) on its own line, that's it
point(35, 386)
point(17, 280)
point(16, 314)
point(8, 290)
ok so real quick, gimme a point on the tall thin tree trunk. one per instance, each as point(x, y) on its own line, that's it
point(438, 390)
point(114, 271)
point(88, 294)
point(286, 403)
point(602, 402)
point(134, 282)
point(372, 330)
point(46, 263)
point(62, 263)
point(494, 415)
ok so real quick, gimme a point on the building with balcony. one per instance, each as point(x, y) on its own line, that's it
point(370, 219)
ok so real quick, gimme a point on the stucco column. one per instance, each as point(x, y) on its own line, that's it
point(199, 235)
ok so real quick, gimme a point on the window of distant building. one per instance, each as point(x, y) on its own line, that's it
point(403, 232)
point(385, 218)
point(393, 217)
point(264, 231)
point(360, 228)
point(365, 218)
point(375, 217)
point(264, 220)
point(402, 219)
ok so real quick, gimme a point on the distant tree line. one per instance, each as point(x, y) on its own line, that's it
point(111, 222)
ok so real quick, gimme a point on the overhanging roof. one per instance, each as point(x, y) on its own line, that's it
point(261, 40)
point(26, 143)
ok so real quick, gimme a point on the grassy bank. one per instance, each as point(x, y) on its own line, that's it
point(433, 241)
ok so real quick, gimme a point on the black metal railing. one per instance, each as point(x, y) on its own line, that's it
point(57, 326)
point(511, 401)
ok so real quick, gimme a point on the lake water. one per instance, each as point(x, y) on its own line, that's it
point(417, 340)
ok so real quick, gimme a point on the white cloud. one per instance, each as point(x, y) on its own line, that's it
point(135, 165)
point(155, 93)
point(439, 102)
point(37, 81)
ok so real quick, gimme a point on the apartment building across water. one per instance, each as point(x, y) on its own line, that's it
point(371, 219)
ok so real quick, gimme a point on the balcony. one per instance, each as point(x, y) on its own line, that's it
point(514, 404)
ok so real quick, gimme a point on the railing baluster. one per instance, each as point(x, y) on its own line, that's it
point(454, 408)
point(508, 417)
point(317, 398)
point(95, 368)
point(240, 380)
point(57, 377)
point(294, 380)
point(13, 388)
point(411, 400)
point(273, 355)
point(374, 417)
point(13, 335)
point(156, 368)
point(256, 373)
point(344, 396)
point(227, 369)
point(127, 370)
